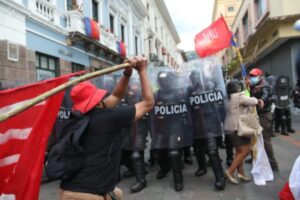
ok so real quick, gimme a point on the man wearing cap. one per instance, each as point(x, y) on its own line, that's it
point(102, 140)
point(260, 89)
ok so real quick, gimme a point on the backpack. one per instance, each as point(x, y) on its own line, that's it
point(67, 156)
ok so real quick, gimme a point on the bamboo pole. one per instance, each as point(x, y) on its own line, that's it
point(64, 86)
point(240, 58)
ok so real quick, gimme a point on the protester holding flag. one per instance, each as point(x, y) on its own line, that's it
point(102, 141)
point(260, 89)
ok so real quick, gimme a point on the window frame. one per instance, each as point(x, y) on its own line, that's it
point(259, 18)
point(230, 11)
point(95, 10)
point(76, 67)
point(39, 67)
point(111, 22)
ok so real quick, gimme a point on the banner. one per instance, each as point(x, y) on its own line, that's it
point(213, 39)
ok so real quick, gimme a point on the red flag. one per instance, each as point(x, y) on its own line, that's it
point(23, 138)
point(213, 39)
point(286, 193)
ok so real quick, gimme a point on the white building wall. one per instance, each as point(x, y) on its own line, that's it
point(12, 24)
point(158, 31)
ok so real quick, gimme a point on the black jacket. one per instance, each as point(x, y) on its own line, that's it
point(262, 90)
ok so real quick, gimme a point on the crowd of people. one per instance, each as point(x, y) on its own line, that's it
point(195, 113)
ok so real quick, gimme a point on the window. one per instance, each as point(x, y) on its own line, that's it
point(77, 67)
point(155, 21)
point(148, 11)
point(47, 66)
point(261, 8)
point(136, 45)
point(230, 9)
point(111, 23)
point(95, 10)
point(70, 4)
point(150, 50)
point(12, 51)
point(245, 25)
point(122, 33)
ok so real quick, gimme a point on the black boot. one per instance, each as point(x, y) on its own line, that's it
point(289, 123)
point(139, 170)
point(212, 151)
point(176, 166)
point(283, 127)
point(161, 156)
point(187, 155)
point(151, 160)
point(162, 173)
point(229, 150)
point(200, 156)
point(218, 171)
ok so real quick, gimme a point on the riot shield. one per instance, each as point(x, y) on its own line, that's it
point(134, 138)
point(282, 92)
point(170, 118)
point(62, 121)
point(207, 97)
point(272, 82)
point(106, 82)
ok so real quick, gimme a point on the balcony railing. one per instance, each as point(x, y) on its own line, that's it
point(74, 21)
point(108, 39)
point(45, 9)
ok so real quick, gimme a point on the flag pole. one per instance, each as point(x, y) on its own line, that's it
point(241, 60)
point(59, 88)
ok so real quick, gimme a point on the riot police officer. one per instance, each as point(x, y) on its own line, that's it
point(134, 142)
point(170, 126)
point(208, 112)
point(296, 95)
point(283, 116)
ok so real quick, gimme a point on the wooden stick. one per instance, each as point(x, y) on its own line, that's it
point(64, 86)
point(241, 60)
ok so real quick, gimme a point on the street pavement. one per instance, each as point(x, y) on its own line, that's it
point(287, 149)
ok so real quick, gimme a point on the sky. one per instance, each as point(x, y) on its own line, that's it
point(190, 17)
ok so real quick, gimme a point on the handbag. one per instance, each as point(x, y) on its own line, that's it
point(248, 122)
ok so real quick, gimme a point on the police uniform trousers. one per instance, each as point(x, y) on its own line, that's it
point(168, 159)
point(283, 119)
point(209, 146)
point(265, 120)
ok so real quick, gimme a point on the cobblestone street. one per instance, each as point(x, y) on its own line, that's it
point(286, 149)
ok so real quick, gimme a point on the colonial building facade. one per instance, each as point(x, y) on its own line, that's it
point(41, 39)
point(161, 36)
point(265, 33)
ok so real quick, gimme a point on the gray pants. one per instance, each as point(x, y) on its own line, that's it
point(265, 120)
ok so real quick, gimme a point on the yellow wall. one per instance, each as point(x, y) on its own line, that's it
point(287, 30)
point(284, 7)
point(221, 7)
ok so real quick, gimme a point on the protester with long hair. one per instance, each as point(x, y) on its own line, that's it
point(238, 102)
